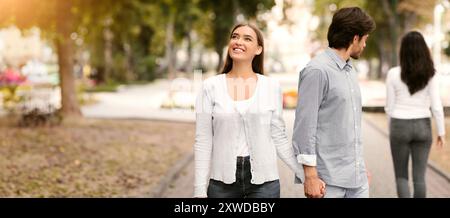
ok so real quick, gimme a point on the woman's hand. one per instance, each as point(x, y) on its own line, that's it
point(440, 142)
point(369, 176)
point(314, 186)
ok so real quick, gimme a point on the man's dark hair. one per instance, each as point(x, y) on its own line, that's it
point(346, 23)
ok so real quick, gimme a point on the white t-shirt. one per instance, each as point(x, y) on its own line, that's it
point(242, 147)
point(401, 104)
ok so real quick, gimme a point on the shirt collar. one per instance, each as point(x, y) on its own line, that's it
point(338, 60)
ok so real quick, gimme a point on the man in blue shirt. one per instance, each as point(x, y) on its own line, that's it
point(327, 128)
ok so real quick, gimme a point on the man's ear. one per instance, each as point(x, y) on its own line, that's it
point(259, 51)
point(356, 38)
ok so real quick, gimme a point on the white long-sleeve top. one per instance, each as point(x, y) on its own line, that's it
point(218, 125)
point(401, 104)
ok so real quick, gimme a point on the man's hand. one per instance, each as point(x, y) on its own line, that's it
point(369, 176)
point(314, 186)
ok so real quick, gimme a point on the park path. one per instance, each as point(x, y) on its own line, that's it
point(137, 102)
point(143, 101)
point(378, 160)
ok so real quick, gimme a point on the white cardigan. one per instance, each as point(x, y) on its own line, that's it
point(401, 104)
point(217, 126)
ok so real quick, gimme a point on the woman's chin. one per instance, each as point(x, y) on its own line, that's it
point(239, 58)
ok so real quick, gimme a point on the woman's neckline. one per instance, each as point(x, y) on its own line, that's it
point(258, 77)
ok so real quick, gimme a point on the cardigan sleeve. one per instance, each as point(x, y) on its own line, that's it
point(203, 141)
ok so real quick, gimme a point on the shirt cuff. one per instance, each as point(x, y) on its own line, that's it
point(307, 159)
point(200, 192)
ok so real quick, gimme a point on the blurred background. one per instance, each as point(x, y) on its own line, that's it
point(97, 96)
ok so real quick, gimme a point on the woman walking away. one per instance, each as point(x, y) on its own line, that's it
point(412, 89)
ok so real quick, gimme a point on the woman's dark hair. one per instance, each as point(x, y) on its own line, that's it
point(258, 60)
point(346, 23)
point(417, 67)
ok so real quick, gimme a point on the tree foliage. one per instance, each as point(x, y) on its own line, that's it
point(125, 39)
point(393, 18)
point(223, 15)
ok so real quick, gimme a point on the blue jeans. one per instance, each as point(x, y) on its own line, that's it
point(243, 188)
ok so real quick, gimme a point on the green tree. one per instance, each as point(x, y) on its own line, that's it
point(124, 38)
point(174, 23)
point(447, 50)
point(392, 17)
point(118, 34)
point(223, 15)
point(58, 20)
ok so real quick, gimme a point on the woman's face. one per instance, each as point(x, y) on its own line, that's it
point(243, 44)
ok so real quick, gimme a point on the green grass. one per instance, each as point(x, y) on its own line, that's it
point(111, 87)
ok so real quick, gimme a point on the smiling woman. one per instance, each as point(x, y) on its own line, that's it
point(240, 129)
point(242, 37)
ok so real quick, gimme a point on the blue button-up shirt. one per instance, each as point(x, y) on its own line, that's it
point(327, 128)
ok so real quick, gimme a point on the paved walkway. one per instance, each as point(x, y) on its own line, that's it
point(137, 102)
point(379, 162)
point(373, 92)
point(377, 156)
point(143, 102)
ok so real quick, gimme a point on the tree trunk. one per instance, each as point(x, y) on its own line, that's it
point(169, 47)
point(385, 55)
point(200, 64)
point(188, 65)
point(381, 53)
point(173, 59)
point(410, 21)
point(371, 73)
point(220, 64)
point(64, 45)
point(389, 8)
point(129, 73)
point(380, 62)
point(108, 37)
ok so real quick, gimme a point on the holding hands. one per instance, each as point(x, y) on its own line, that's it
point(314, 186)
